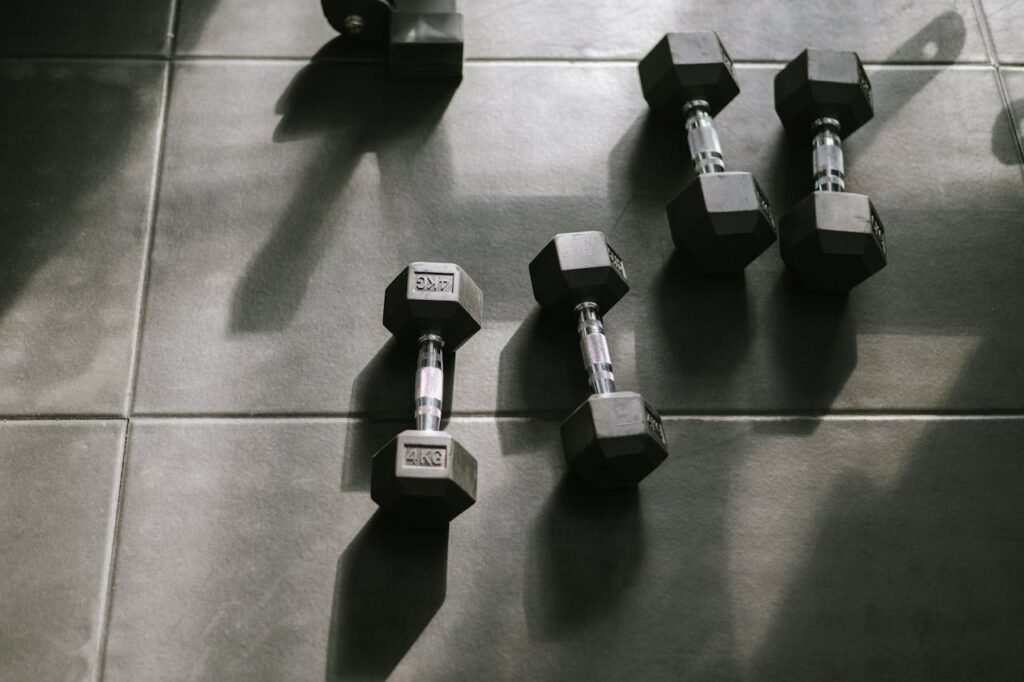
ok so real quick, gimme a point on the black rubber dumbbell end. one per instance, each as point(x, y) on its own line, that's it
point(614, 440)
point(575, 267)
point(722, 221)
point(423, 478)
point(823, 84)
point(833, 241)
point(684, 67)
point(433, 297)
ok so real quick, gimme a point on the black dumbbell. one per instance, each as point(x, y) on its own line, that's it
point(832, 240)
point(721, 219)
point(614, 438)
point(423, 476)
point(424, 36)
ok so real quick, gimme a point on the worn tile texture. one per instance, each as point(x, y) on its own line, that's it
point(201, 202)
point(58, 493)
point(78, 143)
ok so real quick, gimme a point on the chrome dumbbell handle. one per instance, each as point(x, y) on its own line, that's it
point(597, 359)
point(702, 138)
point(429, 383)
point(827, 156)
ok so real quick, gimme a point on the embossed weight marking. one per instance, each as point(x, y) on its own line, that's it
point(614, 438)
point(424, 476)
point(434, 281)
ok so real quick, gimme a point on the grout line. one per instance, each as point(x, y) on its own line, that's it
point(106, 607)
point(986, 33)
point(107, 599)
point(561, 414)
point(147, 246)
point(175, 22)
point(51, 418)
point(539, 61)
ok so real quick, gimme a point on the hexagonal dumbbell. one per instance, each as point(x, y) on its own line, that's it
point(425, 38)
point(614, 438)
point(423, 476)
point(832, 240)
point(721, 219)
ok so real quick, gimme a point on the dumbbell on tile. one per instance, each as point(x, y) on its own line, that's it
point(614, 438)
point(424, 476)
point(832, 240)
point(721, 219)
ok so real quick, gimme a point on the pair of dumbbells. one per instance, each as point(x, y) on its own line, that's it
point(832, 240)
point(423, 476)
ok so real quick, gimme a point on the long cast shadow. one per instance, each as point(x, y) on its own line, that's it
point(920, 581)
point(353, 109)
point(707, 318)
point(585, 550)
point(546, 346)
point(1009, 155)
point(391, 580)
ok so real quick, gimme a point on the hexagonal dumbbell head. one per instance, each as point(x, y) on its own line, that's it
point(722, 221)
point(823, 83)
point(433, 297)
point(578, 266)
point(614, 440)
point(833, 241)
point(423, 478)
point(684, 67)
point(426, 42)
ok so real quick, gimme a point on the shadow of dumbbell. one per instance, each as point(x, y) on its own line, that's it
point(816, 349)
point(585, 550)
point(352, 108)
point(553, 384)
point(706, 318)
point(1009, 151)
point(390, 582)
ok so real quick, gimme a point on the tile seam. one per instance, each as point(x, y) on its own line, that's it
point(147, 247)
point(106, 603)
point(106, 608)
point(256, 59)
point(559, 416)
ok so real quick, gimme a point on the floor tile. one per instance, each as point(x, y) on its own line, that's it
point(91, 27)
point(936, 31)
point(58, 493)
point(1006, 22)
point(79, 147)
point(243, 27)
point(943, 31)
point(759, 550)
point(293, 195)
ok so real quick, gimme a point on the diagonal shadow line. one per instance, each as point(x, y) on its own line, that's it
point(353, 109)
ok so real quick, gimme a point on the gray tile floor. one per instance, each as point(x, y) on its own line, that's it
point(198, 224)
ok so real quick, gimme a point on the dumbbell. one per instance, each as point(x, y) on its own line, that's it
point(832, 240)
point(425, 38)
point(424, 476)
point(614, 438)
point(721, 219)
